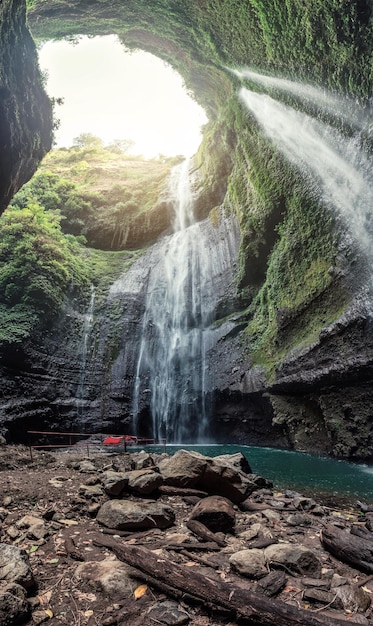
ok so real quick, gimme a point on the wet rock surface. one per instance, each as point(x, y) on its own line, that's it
point(69, 578)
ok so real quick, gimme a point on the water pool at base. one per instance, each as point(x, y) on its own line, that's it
point(320, 476)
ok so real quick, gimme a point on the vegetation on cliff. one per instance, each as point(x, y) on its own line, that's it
point(112, 199)
point(289, 240)
point(70, 227)
point(38, 264)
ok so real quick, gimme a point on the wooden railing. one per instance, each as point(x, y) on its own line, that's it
point(123, 442)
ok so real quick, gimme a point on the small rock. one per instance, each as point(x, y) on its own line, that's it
point(304, 504)
point(168, 612)
point(299, 519)
point(93, 509)
point(109, 575)
point(272, 516)
point(114, 483)
point(87, 467)
point(28, 520)
point(273, 583)
point(14, 607)
point(250, 563)
point(90, 491)
point(322, 596)
point(39, 617)
point(295, 557)
point(37, 531)
point(144, 481)
point(142, 460)
point(353, 598)
point(216, 513)
point(15, 566)
point(7, 501)
point(13, 532)
point(338, 581)
point(56, 483)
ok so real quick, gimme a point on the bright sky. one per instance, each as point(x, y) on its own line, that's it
point(116, 94)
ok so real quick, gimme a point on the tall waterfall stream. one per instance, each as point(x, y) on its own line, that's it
point(175, 325)
point(337, 162)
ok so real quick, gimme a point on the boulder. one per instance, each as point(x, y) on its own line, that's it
point(249, 563)
point(142, 460)
point(168, 612)
point(110, 576)
point(229, 475)
point(353, 598)
point(144, 481)
point(216, 513)
point(294, 557)
point(14, 606)
point(15, 566)
point(114, 483)
point(129, 515)
point(237, 460)
point(183, 469)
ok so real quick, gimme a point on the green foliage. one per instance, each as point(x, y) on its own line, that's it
point(102, 194)
point(37, 266)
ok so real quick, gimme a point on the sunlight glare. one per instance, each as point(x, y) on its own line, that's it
point(116, 94)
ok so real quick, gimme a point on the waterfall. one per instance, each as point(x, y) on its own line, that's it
point(83, 351)
point(347, 110)
point(179, 309)
point(338, 165)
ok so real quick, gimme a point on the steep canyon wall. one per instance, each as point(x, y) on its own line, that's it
point(291, 350)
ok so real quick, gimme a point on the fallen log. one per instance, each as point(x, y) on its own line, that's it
point(204, 533)
point(362, 532)
point(244, 602)
point(169, 490)
point(348, 548)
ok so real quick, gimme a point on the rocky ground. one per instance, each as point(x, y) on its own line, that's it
point(57, 508)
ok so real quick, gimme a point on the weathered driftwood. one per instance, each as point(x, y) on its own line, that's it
point(348, 548)
point(210, 546)
point(169, 490)
point(204, 533)
point(360, 531)
point(244, 602)
point(199, 559)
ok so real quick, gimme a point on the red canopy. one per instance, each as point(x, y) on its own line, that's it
point(112, 440)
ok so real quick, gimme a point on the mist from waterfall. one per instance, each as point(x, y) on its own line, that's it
point(174, 333)
point(338, 165)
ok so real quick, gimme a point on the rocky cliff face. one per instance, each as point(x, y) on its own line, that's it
point(291, 350)
point(25, 110)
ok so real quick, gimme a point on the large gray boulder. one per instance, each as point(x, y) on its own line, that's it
point(228, 475)
point(15, 566)
point(183, 469)
point(129, 515)
point(294, 557)
point(144, 481)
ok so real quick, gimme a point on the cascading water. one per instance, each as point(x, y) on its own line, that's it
point(83, 352)
point(179, 309)
point(338, 164)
